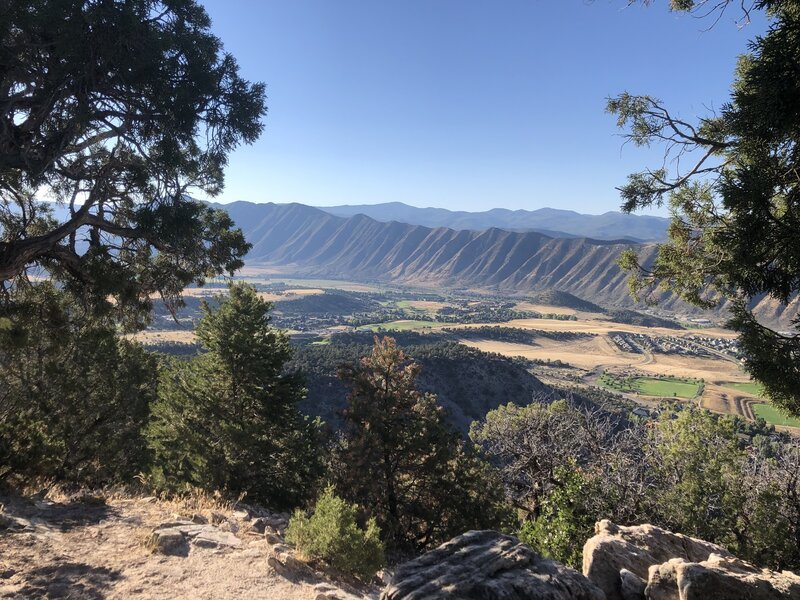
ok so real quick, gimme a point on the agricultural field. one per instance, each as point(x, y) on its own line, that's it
point(750, 387)
point(400, 325)
point(773, 416)
point(588, 348)
point(662, 387)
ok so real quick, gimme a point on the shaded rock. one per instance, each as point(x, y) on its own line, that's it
point(486, 565)
point(199, 518)
point(259, 525)
point(631, 585)
point(272, 538)
point(719, 578)
point(175, 535)
point(636, 549)
point(169, 541)
point(217, 517)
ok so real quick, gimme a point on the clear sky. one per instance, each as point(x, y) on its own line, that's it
point(461, 104)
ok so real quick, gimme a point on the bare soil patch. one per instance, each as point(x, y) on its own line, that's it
point(75, 550)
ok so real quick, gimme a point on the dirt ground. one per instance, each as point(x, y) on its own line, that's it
point(85, 551)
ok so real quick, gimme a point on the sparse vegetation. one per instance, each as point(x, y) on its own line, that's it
point(332, 534)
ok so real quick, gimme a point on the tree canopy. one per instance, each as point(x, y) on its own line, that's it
point(736, 207)
point(118, 111)
point(398, 459)
point(227, 418)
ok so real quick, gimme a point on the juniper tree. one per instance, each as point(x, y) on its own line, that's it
point(118, 111)
point(736, 206)
point(74, 396)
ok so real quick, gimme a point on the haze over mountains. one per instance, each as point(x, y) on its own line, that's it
point(550, 221)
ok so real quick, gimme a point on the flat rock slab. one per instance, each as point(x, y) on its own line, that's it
point(719, 578)
point(173, 537)
point(487, 565)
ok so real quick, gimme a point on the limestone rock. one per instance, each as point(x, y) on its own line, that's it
point(631, 585)
point(719, 578)
point(212, 538)
point(486, 564)
point(636, 549)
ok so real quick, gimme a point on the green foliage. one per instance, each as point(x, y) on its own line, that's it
point(399, 461)
point(565, 521)
point(736, 207)
point(332, 534)
point(119, 111)
point(75, 397)
point(565, 469)
point(227, 419)
point(700, 467)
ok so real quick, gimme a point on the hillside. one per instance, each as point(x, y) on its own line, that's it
point(468, 383)
point(312, 242)
point(554, 222)
point(307, 241)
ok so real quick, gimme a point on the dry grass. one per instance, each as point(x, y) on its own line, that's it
point(156, 337)
point(584, 353)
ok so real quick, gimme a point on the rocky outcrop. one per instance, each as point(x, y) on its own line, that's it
point(174, 537)
point(485, 565)
point(649, 563)
point(719, 578)
point(634, 550)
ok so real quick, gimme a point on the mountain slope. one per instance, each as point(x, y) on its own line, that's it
point(550, 221)
point(307, 241)
point(315, 243)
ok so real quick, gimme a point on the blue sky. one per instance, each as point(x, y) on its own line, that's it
point(461, 104)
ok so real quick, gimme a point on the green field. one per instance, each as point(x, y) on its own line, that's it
point(773, 416)
point(402, 325)
point(667, 387)
point(751, 388)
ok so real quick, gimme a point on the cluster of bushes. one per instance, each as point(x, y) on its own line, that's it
point(565, 467)
point(82, 405)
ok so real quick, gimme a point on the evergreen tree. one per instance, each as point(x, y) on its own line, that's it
point(74, 397)
point(119, 111)
point(401, 463)
point(227, 419)
point(731, 182)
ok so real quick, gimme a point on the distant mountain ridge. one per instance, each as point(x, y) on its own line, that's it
point(311, 242)
point(549, 221)
point(306, 241)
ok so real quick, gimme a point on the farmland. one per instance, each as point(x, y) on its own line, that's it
point(662, 387)
point(574, 344)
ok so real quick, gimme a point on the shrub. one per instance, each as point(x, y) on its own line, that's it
point(332, 535)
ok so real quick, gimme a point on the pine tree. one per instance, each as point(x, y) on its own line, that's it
point(402, 464)
point(227, 419)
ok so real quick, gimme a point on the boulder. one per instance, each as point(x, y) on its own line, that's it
point(213, 538)
point(169, 541)
point(719, 578)
point(635, 549)
point(487, 565)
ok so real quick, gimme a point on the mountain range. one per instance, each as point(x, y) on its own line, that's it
point(306, 241)
point(311, 242)
point(549, 221)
